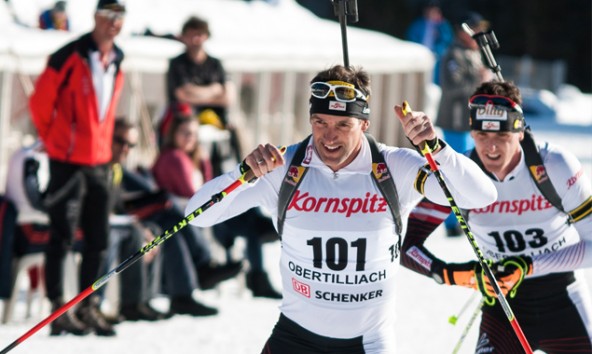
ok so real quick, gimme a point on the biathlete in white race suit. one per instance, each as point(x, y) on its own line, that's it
point(339, 244)
point(535, 247)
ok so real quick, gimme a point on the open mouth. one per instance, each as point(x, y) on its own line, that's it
point(331, 148)
point(493, 157)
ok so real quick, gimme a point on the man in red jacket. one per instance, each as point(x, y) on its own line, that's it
point(73, 108)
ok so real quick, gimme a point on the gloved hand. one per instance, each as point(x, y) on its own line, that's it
point(462, 274)
point(509, 273)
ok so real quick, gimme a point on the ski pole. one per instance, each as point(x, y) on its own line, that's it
point(452, 319)
point(468, 326)
point(486, 41)
point(427, 153)
point(342, 8)
point(246, 177)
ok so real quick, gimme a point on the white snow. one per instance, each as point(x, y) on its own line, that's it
point(244, 323)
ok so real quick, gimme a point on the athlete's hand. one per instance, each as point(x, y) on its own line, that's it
point(509, 274)
point(417, 127)
point(461, 274)
point(264, 159)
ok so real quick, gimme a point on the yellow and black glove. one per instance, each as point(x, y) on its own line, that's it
point(509, 274)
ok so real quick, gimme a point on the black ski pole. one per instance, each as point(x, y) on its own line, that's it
point(246, 177)
point(486, 41)
point(343, 9)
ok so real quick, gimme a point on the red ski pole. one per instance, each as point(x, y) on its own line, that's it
point(246, 177)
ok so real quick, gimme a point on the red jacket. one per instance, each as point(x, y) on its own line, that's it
point(64, 106)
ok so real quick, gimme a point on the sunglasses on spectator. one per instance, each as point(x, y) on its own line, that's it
point(498, 101)
point(111, 15)
point(123, 142)
point(342, 93)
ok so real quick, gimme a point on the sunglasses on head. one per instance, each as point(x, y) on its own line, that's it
point(121, 141)
point(111, 15)
point(342, 93)
point(498, 101)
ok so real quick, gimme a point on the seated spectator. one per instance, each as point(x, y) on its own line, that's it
point(181, 153)
point(186, 256)
point(55, 18)
point(127, 236)
point(26, 182)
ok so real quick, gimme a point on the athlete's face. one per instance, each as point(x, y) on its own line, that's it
point(499, 152)
point(337, 140)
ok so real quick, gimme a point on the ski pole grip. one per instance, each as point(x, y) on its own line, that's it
point(247, 173)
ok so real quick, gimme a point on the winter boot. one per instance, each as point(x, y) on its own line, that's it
point(209, 276)
point(258, 283)
point(141, 312)
point(67, 322)
point(90, 314)
point(186, 305)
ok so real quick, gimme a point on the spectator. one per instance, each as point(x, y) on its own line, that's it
point(196, 78)
point(339, 244)
point(55, 18)
point(128, 235)
point(73, 108)
point(182, 154)
point(434, 31)
point(257, 228)
point(199, 80)
point(197, 84)
point(461, 71)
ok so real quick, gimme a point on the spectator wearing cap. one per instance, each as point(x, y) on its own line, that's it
point(461, 71)
point(73, 109)
point(55, 18)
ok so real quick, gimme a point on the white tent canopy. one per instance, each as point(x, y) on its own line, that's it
point(270, 52)
point(246, 35)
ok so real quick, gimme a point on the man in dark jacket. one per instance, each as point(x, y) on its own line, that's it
point(73, 108)
point(461, 71)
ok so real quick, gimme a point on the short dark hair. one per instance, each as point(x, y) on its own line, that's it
point(506, 89)
point(196, 23)
point(353, 75)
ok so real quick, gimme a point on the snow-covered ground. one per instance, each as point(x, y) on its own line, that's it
point(244, 323)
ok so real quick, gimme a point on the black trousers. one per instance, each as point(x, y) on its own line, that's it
point(551, 321)
point(290, 338)
point(77, 198)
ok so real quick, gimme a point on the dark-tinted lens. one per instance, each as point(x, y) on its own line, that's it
point(340, 92)
point(121, 141)
point(320, 89)
point(345, 93)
